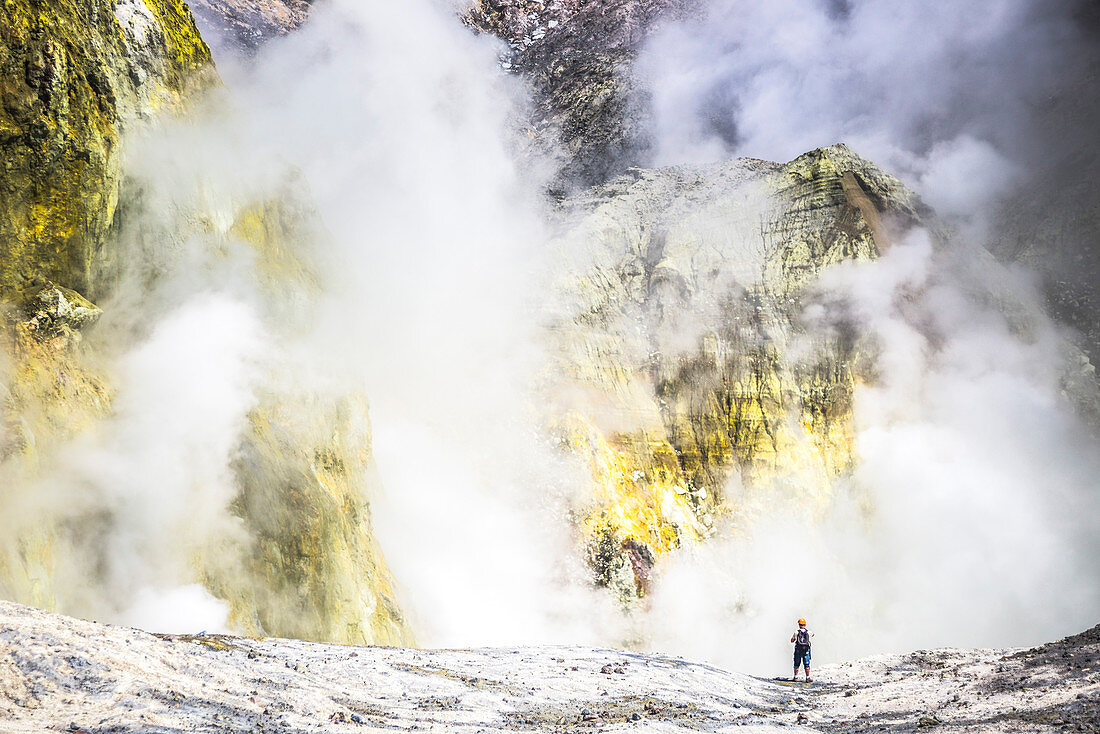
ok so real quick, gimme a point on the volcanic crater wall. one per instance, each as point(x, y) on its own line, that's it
point(76, 79)
point(683, 375)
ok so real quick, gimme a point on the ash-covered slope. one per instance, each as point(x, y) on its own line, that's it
point(58, 674)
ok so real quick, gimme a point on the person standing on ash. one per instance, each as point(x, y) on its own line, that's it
point(801, 640)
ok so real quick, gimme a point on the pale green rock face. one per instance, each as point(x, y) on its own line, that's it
point(687, 305)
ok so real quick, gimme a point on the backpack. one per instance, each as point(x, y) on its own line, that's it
point(802, 638)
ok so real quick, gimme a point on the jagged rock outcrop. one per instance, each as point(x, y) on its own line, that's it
point(75, 75)
point(690, 376)
point(246, 25)
point(314, 569)
point(578, 55)
point(680, 360)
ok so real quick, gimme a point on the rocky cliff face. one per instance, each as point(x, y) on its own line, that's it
point(246, 26)
point(75, 75)
point(689, 369)
point(685, 374)
point(578, 55)
point(687, 348)
point(77, 80)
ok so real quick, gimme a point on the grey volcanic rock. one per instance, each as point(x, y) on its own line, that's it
point(248, 24)
point(688, 353)
point(59, 673)
point(578, 57)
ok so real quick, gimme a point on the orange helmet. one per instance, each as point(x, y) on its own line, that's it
point(802, 621)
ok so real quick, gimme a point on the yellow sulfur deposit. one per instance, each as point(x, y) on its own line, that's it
point(700, 385)
point(77, 77)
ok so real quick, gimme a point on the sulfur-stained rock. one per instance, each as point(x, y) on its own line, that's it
point(73, 75)
point(677, 360)
point(313, 569)
point(77, 77)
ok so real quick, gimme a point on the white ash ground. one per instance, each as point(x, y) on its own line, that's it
point(63, 674)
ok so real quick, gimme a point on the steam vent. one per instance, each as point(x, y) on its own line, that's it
point(595, 341)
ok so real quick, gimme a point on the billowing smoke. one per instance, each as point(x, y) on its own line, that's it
point(957, 99)
point(143, 493)
point(970, 518)
point(407, 133)
point(399, 126)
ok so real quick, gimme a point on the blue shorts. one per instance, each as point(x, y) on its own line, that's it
point(801, 656)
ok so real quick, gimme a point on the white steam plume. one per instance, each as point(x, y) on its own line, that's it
point(406, 131)
point(943, 94)
point(145, 491)
point(970, 518)
point(403, 128)
point(973, 501)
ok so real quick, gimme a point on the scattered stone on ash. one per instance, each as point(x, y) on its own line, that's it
point(53, 308)
point(339, 717)
point(609, 669)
